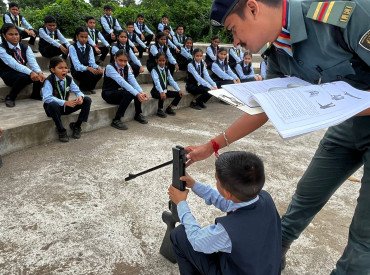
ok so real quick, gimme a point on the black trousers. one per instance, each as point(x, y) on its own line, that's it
point(55, 111)
point(122, 98)
point(190, 261)
point(170, 94)
point(200, 90)
point(103, 52)
point(32, 39)
point(135, 68)
point(220, 82)
point(18, 81)
point(51, 51)
point(87, 80)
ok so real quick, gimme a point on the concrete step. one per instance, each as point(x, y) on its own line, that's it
point(44, 62)
point(143, 78)
point(27, 125)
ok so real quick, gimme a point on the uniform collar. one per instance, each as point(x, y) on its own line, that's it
point(11, 46)
point(92, 30)
point(117, 66)
point(160, 68)
point(80, 45)
point(58, 79)
point(297, 29)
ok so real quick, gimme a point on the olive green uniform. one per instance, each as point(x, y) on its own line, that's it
point(335, 48)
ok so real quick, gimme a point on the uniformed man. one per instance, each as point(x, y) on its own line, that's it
point(318, 42)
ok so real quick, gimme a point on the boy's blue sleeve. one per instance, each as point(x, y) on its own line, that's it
point(209, 239)
point(212, 196)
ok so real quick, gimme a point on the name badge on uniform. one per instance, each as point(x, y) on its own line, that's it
point(365, 41)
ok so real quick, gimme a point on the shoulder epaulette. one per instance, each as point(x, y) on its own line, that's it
point(336, 13)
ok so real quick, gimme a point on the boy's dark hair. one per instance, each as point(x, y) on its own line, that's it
point(12, 5)
point(215, 37)
point(107, 7)
point(159, 35)
point(140, 15)
point(6, 27)
point(240, 173)
point(164, 16)
point(121, 52)
point(180, 26)
point(166, 28)
point(129, 23)
point(197, 50)
point(88, 18)
point(49, 19)
point(55, 61)
point(158, 55)
point(222, 49)
point(78, 31)
point(247, 52)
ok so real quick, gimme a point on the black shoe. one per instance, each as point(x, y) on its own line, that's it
point(170, 111)
point(140, 118)
point(160, 113)
point(118, 124)
point(76, 130)
point(195, 106)
point(9, 103)
point(202, 105)
point(63, 137)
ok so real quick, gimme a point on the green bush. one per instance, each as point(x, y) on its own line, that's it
point(193, 14)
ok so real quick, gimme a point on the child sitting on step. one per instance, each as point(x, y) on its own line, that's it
point(162, 77)
point(55, 95)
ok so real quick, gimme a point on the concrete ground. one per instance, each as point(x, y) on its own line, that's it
point(66, 209)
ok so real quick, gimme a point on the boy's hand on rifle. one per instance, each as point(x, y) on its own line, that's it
point(189, 180)
point(176, 195)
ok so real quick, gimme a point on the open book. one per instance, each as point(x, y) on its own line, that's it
point(294, 106)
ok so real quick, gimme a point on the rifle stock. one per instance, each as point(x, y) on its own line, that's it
point(171, 218)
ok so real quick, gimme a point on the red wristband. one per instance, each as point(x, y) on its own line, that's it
point(215, 147)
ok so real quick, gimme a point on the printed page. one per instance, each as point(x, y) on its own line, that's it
point(301, 110)
point(233, 101)
point(245, 91)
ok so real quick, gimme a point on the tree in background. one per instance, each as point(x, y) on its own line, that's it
point(70, 14)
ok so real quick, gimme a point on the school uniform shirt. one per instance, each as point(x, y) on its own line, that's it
point(161, 26)
point(240, 67)
point(115, 25)
point(263, 67)
point(47, 91)
point(179, 40)
point(48, 37)
point(92, 38)
point(171, 59)
point(210, 53)
point(76, 62)
point(225, 75)
point(237, 54)
point(212, 238)
point(133, 38)
point(170, 44)
point(157, 82)
point(142, 28)
point(206, 81)
point(19, 22)
point(130, 85)
point(131, 54)
point(12, 63)
point(185, 52)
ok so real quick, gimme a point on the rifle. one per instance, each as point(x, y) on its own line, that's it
point(170, 218)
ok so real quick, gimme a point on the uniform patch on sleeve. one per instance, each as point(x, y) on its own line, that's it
point(365, 41)
point(336, 13)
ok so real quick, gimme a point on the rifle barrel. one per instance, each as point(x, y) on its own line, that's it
point(132, 176)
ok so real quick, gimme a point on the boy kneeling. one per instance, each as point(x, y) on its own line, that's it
point(245, 241)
